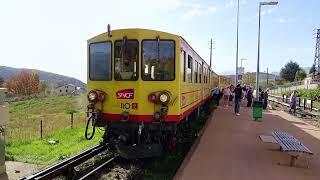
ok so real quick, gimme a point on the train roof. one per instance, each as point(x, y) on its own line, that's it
point(150, 30)
point(132, 30)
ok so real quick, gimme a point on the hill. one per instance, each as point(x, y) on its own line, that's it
point(52, 78)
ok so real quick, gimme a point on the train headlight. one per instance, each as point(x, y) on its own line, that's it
point(164, 97)
point(92, 96)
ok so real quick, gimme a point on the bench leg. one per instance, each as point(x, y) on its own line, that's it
point(293, 160)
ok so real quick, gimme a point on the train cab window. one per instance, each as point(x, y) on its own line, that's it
point(158, 60)
point(100, 61)
point(189, 69)
point(126, 60)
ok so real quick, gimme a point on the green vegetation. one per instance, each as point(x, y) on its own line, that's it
point(54, 112)
point(300, 75)
point(165, 167)
point(288, 72)
point(305, 93)
point(48, 105)
point(1, 81)
point(69, 142)
point(23, 134)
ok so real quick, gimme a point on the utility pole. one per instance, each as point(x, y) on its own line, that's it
point(317, 55)
point(237, 52)
point(267, 77)
point(211, 53)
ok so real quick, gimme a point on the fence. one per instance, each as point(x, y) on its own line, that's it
point(281, 90)
point(303, 103)
point(36, 127)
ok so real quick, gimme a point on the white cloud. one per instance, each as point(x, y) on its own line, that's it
point(270, 10)
point(198, 10)
point(229, 4)
point(286, 20)
point(282, 20)
point(267, 11)
point(212, 9)
point(244, 2)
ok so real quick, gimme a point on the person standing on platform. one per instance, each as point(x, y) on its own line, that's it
point(260, 94)
point(265, 99)
point(238, 95)
point(226, 94)
point(244, 89)
point(216, 95)
point(249, 97)
point(293, 100)
point(231, 94)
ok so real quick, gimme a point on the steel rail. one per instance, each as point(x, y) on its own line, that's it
point(99, 167)
point(66, 164)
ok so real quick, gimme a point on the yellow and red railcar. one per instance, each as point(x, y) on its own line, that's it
point(224, 80)
point(142, 83)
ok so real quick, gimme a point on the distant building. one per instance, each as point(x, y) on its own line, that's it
point(65, 89)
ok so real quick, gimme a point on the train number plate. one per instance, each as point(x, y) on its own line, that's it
point(126, 105)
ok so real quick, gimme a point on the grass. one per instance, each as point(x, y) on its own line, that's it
point(25, 116)
point(70, 141)
point(48, 105)
point(165, 167)
point(23, 141)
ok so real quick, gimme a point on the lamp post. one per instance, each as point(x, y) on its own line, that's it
point(270, 3)
point(242, 59)
point(236, 78)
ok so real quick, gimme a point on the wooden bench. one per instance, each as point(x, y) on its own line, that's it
point(291, 145)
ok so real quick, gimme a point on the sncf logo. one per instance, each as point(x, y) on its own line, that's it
point(125, 94)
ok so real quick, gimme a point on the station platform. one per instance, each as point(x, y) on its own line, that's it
point(230, 149)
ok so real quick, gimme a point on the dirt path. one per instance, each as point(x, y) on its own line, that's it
point(17, 170)
point(230, 148)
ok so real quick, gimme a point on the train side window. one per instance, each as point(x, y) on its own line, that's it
point(195, 71)
point(200, 72)
point(183, 65)
point(126, 60)
point(189, 69)
point(100, 61)
point(204, 75)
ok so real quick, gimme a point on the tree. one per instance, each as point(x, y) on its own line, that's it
point(24, 84)
point(312, 69)
point(300, 75)
point(288, 72)
point(1, 81)
point(249, 78)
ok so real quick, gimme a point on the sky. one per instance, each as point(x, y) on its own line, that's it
point(51, 35)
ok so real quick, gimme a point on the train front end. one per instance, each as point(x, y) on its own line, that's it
point(133, 90)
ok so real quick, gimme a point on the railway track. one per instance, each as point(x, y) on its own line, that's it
point(99, 168)
point(66, 166)
point(299, 111)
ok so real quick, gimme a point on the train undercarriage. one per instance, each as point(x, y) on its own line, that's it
point(134, 140)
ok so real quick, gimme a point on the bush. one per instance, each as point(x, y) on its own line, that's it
point(305, 93)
